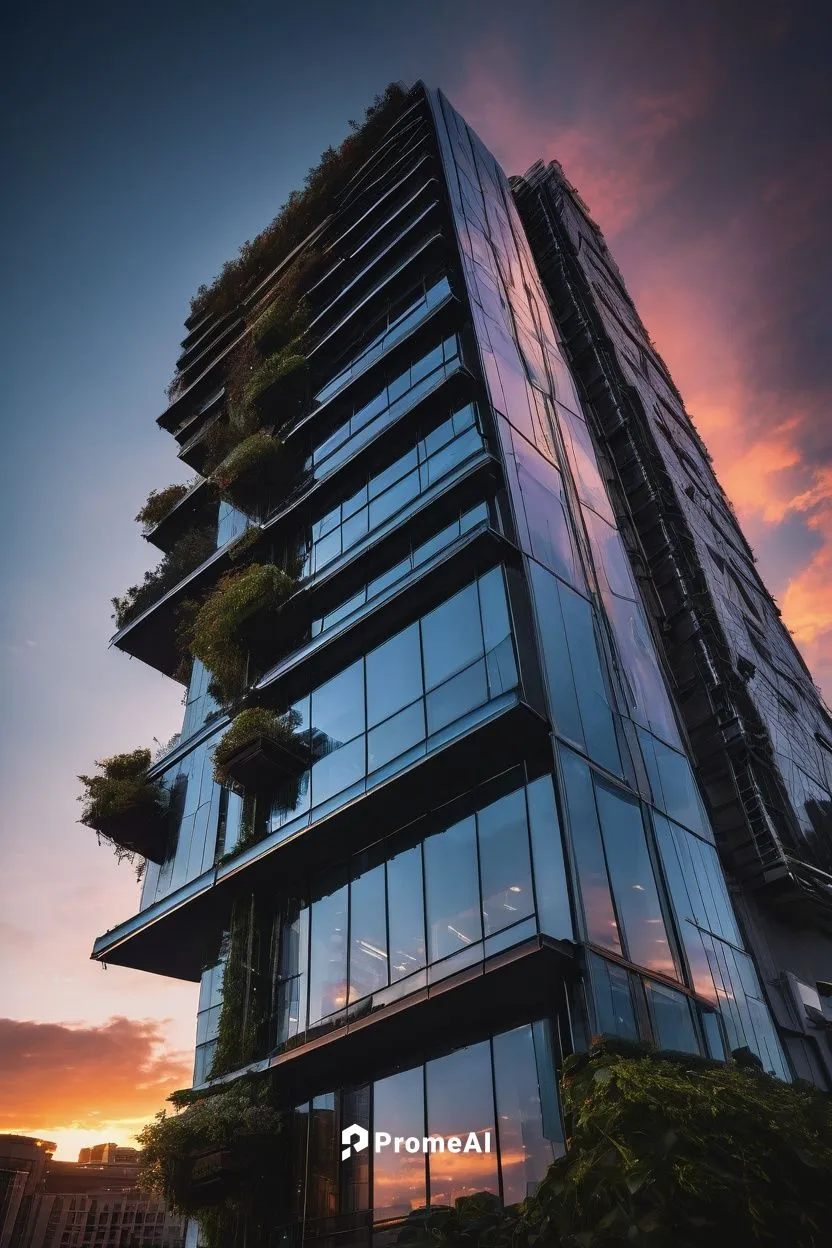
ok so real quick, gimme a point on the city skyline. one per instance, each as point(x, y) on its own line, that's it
point(778, 491)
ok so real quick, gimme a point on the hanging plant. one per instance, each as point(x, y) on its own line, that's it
point(259, 747)
point(247, 471)
point(220, 1151)
point(124, 807)
point(215, 634)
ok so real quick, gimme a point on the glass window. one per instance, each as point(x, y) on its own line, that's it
point(324, 1154)
point(670, 1014)
point(406, 915)
point(495, 618)
point(505, 870)
point(601, 924)
point(553, 908)
point(291, 995)
point(460, 1100)
point(612, 990)
point(457, 696)
point(451, 636)
point(673, 785)
point(395, 736)
point(338, 770)
point(368, 934)
point(399, 1178)
point(541, 488)
point(338, 706)
point(328, 960)
point(633, 882)
point(394, 675)
point(587, 672)
point(452, 890)
point(525, 1153)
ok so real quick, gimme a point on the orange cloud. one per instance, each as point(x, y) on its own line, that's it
point(84, 1078)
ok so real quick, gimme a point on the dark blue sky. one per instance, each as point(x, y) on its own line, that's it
point(143, 143)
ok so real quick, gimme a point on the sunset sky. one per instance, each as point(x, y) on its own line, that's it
point(146, 143)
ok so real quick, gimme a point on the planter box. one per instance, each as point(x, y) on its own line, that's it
point(264, 763)
point(141, 831)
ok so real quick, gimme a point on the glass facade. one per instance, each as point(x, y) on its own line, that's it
point(441, 405)
point(417, 908)
point(502, 1088)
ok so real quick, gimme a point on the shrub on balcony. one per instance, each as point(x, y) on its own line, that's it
point(159, 503)
point(244, 475)
point(124, 807)
point(214, 634)
point(224, 1121)
point(302, 211)
point(284, 364)
point(248, 727)
point(192, 549)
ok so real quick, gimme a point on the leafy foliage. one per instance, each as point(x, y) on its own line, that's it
point(120, 796)
point(253, 722)
point(209, 1120)
point(159, 503)
point(214, 633)
point(287, 362)
point(302, 210)
point(192, 549)
point(666, 1151)
point(241, 1016)
point(241, 475)
point(287, 315)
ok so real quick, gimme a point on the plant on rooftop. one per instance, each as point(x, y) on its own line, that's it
point(247, 727)
point(302, 211)
point(214, 635)
point(192, 549)
point(159, 503)
point(125, 808)
point(238, 1128)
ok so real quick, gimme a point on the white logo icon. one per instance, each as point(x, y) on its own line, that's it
point(361, 1136)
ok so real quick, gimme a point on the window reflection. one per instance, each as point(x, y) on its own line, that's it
point(471, 882)
point(451, 890)
point(399, 1178)
point(460, 1100)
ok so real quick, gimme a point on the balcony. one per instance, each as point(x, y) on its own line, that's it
point(178, 935)
point(502, 990)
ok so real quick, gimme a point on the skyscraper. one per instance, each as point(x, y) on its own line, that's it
point(433, 817)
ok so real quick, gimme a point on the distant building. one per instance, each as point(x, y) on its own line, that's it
point(66, 1204)
point(23, 1162)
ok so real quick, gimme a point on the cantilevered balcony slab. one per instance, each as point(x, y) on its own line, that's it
point(152, 636)
point(195, 510)
point(502, 991)
point(178, 935)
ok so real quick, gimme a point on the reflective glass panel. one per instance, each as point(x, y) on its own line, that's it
point(460, 1099)
point(405, 901)
point(328, 961)
point(399, 1178)
point(452, 890)
point(505, 869)
point(525, 1153)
